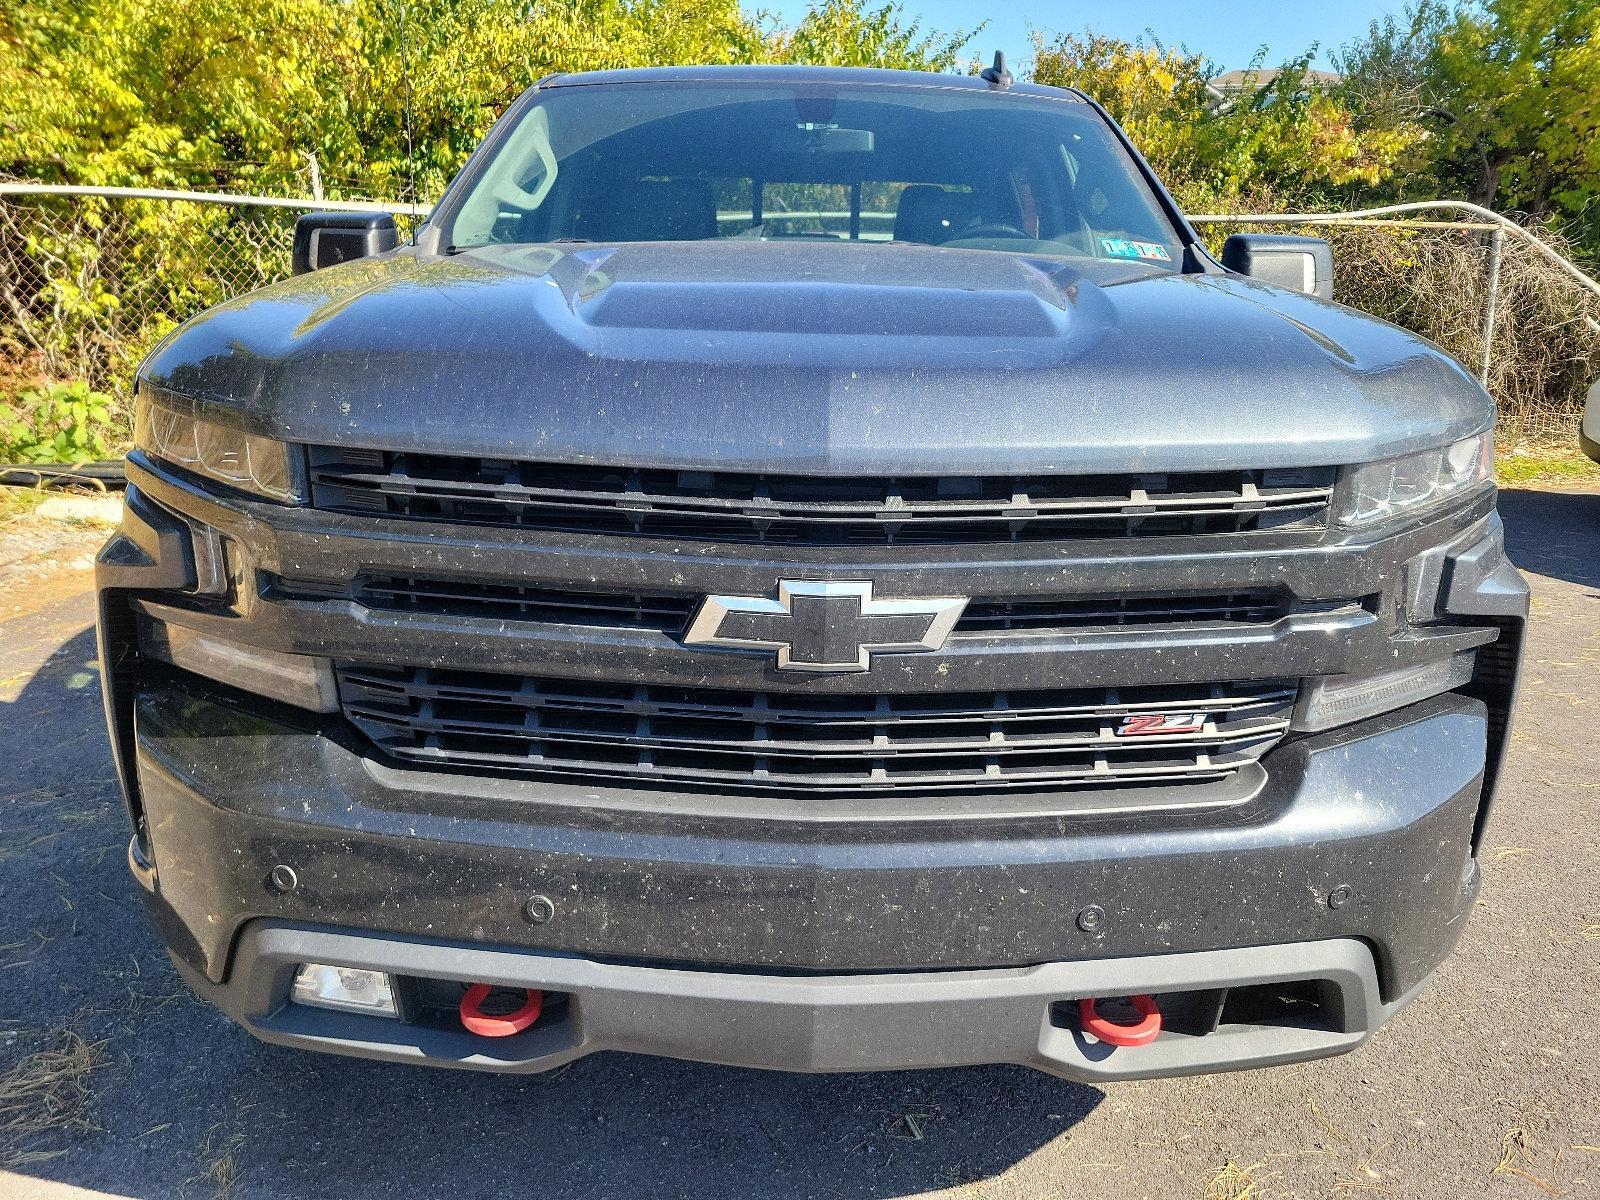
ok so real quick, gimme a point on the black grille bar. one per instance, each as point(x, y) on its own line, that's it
point(793, 509)
point(517, 602)
point(668, 614)
point(1094, 612)
point(812, 742)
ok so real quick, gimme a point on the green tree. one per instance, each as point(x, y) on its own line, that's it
point(237, 95)
point(844, 33)
point(434, 74)
point(166, 92)
point(1510, 90)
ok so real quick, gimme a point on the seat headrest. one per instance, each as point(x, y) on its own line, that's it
point(931, 215)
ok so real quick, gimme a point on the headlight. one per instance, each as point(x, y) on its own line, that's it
point(259, 465)
point(1377, 491)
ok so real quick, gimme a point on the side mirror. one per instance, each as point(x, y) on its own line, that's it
point(1304, 264)
point(324, 239)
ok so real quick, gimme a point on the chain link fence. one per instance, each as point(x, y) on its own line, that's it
point(89, 283)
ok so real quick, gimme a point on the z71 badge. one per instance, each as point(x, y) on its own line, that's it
point(1148, 724)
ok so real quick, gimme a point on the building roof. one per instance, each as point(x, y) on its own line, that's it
point(1252, 80)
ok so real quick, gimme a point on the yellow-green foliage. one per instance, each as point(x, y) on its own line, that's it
point(1525, 91)
point(1509, 91)
point(1288, 142)
point(61, 423)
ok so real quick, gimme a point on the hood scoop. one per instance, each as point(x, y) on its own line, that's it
point(823, 308)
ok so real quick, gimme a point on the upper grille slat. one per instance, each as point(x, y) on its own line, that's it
point(811, 742)
point(792, 509)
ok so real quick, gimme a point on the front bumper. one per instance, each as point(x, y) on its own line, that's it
point(871, 1022)
point(1385, 811)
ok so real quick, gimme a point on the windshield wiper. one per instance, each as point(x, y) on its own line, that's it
point(560, 241)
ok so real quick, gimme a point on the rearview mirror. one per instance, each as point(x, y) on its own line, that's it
point(324, 239)
point(1304, 264)
point(811, 137)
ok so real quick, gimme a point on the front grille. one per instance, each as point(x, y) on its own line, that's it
point(812, 742)
point(808, 510)
point(668, 614)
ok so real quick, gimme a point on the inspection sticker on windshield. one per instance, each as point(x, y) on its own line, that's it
point(1123, 248)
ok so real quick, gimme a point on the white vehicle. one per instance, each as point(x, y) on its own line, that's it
point(1589, 431)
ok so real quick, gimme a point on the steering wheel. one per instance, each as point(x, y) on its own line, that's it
point(990, 229)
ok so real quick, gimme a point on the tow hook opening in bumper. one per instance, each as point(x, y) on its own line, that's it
point(501, 1023)
point(1117, 1031)
point(1311, 1007)
point(484, 1010)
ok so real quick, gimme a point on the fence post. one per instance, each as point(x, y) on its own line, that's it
point(1496, 244)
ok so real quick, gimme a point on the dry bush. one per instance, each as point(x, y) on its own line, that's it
point(21, 370)
point(1435, 282)
point(1546, 351)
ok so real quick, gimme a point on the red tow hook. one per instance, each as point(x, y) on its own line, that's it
point(1142, 1033)
point(484, 1025)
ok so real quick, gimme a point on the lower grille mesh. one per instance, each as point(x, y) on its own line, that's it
point(786, 742)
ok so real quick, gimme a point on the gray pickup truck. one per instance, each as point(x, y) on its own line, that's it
point(812, 569)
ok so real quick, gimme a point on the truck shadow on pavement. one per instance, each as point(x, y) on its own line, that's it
point(165, 1097)
point(1554, 534)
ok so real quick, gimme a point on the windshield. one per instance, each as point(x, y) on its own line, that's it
point(641, 162)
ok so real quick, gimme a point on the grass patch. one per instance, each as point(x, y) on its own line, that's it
point(222, 1168)
point(47, 1091)
point(1234, 1182)
point(20, 501)
point(1525, 465)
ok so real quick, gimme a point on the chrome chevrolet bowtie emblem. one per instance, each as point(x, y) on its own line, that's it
point(833, 626)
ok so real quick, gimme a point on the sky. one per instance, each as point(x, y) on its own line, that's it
point(1226, 31)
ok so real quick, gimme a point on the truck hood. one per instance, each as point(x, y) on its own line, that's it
point(828, 358)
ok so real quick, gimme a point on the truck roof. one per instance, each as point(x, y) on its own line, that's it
point(797, 74)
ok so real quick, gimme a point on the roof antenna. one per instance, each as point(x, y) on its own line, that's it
point(997, 75)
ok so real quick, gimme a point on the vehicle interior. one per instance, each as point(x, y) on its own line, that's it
point(969, 171)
